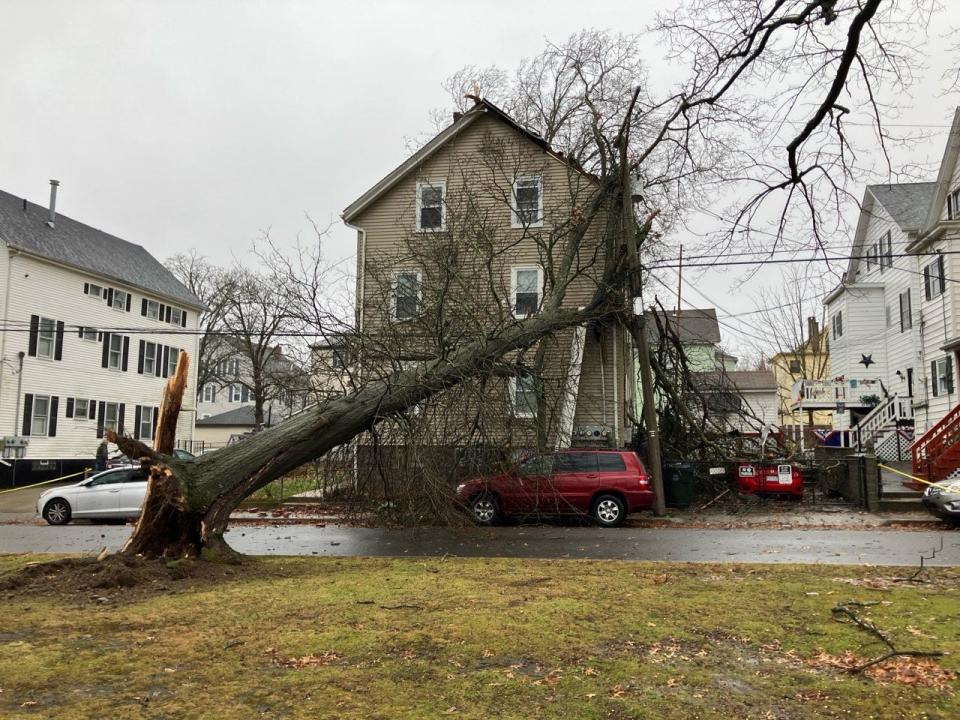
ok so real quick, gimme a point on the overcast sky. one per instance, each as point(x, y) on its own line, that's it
point(198, 124)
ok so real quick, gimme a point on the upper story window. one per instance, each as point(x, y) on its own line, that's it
point(176, 316)
point(934, 279)
point(941, 376)
point(94, 291)
point(115, 352)
point(88, 333)
point(871, 256)
point(523, 396)
point(886, 251)
point(145, 430)
point(953, 205)
point(151, 309)
point(406, 294)
point(906, 312)
point(795, 367)
point(172, 355)
point(340, 360)
point(150, 358)
point(431, 205)
point(527, 208)
point(46, 337)
point(209, 393)
point(120, 300)
point(836, 325)
point(236, 393)
point(527, 286)
point(111, 416)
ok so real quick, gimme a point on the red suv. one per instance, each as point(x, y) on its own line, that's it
point(606, 484)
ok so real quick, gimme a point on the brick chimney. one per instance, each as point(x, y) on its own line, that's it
point(813, 333)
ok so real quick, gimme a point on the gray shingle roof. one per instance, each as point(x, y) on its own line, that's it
point(242, 415)
point(691, 326)
point(85, 248)
point(907, 203)
point(743, 380)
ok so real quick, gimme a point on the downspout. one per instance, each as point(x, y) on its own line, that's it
point(616, 408)
point(16, 413)
point(603, 382)
point(6, 317)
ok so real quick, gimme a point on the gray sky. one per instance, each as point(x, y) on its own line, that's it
point(183, 125)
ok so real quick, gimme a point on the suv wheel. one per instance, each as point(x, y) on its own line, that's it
point(57, 512)
point(608, 510)
point(485, 509)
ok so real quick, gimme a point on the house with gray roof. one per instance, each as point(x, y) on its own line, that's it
point(894, 326)
point(91, 326)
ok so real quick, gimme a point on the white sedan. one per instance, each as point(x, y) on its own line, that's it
point(115, 494)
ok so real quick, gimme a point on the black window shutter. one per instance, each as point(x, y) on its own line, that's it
point(126, 352)
point(213, 394)
point(110, 297)
point(140, 358)
point(136, 422)
point(58, 345)
point(80, 332)
point(101, 414)
point(926, 282)
point(933, 377)
point(902, 325)
point(92, 409)
point(163, 309)
point(86, 288)
point(121, 411)
point(183, 319)
point(166, 359)
point(104, 361)
point(244, 394)
point(167, 317)
point(69, 411)
point(34, 332)
point(52, 420)
point(129, 300)
point(157, 355)
point(949, 375)
point(943, 274)
point(143, 307)
point(27, 412)
point(156, 415)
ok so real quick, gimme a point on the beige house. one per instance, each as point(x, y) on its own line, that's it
point(466, 237)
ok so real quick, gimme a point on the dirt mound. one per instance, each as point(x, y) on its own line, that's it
point(116, 578)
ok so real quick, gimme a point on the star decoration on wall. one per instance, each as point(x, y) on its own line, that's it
point(866, 360)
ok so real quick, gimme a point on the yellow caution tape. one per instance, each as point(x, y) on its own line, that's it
point(45, 482)
point(912, 477)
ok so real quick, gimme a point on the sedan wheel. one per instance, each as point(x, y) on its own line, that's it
point(485, 509)
point(57, 512)
point(609, 510)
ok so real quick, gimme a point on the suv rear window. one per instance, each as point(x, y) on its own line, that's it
point(611, 462)
point(577, 462)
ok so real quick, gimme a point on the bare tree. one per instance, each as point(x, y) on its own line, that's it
point(737, 50)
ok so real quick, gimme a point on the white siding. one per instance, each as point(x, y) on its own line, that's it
point(38, 287)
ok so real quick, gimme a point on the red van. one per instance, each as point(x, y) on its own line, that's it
point(607, 485)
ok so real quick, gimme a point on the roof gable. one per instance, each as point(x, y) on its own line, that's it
point(23, 225)
point(947, 165)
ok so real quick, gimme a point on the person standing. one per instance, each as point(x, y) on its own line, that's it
point(101, 463)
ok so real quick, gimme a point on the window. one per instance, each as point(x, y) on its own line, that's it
point(527, 202)
point(41, 415)
point(111, 416)
point(234, 366)
point(115, 353)
point(953, 205)
point(795, 367)
point(431, 213)
point(236, 393)
point(46, 337)
point(145, 431)
point(871, 257)
point(94, 291)
point(934, 279)
point(836, 325)
point(523, 395)
point(120, 300)
point(149, 358)
point(81, 408)
point(887, 315)
point(611, 462)
point(576, 462)
point(886, 251)
point(172, 356)
point(339, 360)
point(153, 309)
point(110, 478)
point(906, 315)
point(537, 465)
point(527, 283)
point(176, 316)
point(941, 376)
point(208, 392)
point(88, 333)
point(406, 295)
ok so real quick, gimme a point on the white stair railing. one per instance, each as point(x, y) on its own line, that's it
point(883, 417)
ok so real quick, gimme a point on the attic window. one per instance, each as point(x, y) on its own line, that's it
point(430, 205)
point(527, 202)
point(953, 205)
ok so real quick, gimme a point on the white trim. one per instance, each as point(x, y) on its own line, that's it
point(52, 338)
point(515, 221)
point(393, 293)
point(45, 416)
point(513, 287)
point(433, 184)
point(517, 412)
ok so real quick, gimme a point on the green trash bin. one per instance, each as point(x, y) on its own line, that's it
point(678, 484)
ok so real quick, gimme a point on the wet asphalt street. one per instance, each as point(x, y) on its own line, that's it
point(838, 547)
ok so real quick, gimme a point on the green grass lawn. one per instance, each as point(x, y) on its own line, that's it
point(415, 638)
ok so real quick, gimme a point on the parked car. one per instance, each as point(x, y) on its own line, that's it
point(765, 478)
point(115, 494)
point(122, 460)
point(607, 485)
point(943, 500)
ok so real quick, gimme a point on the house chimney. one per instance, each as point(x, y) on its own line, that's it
point(54, 184)
point(813, 331)
point(457, 116)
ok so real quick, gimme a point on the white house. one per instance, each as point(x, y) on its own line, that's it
point(894, 331)
point(91, 327)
